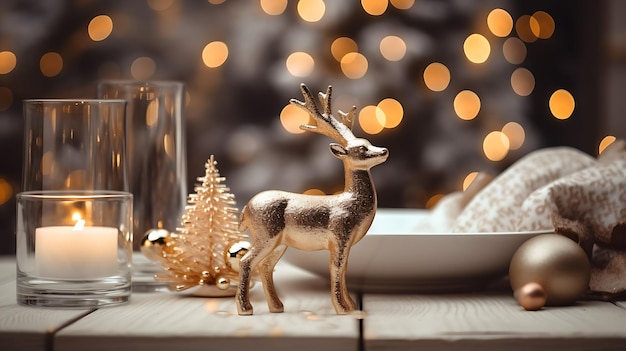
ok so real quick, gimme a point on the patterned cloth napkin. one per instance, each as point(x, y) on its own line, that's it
point(566, 190)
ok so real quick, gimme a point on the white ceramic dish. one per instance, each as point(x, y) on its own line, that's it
point(396, 256)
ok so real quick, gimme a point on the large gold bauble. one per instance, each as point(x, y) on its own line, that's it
point(154, 242)
point(556, 263)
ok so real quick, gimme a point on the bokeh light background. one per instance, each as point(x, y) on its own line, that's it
point(451, 87)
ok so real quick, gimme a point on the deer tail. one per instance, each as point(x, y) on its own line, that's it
point(243, 225)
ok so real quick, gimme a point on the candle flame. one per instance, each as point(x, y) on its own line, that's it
point(78, 218)
point(79, 225)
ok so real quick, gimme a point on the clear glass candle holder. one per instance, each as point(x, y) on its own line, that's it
point(74, 248)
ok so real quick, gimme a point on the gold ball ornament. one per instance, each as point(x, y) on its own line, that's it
point(234, 253)
point(554, 262)
point(222, 283)
point(531, 296)
point(154, 242)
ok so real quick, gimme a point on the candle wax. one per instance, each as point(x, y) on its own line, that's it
point(65, 252)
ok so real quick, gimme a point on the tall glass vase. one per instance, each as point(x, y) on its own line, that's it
point(155, 137)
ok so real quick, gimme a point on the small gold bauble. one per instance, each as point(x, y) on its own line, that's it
point(556, 263)
point(531, 296)
point(222, 283)
point(154, 242)
point(234, 253)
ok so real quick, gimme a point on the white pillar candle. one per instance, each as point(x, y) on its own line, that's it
point(79, 252)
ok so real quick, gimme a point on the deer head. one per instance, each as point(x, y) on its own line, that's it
point(359, 153)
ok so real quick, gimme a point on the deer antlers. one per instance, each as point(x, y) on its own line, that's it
point(326, 123)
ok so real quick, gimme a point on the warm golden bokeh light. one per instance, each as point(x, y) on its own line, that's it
point(187, 98)
point(160, 5)
point(354, 65)
point(514, 50)
point(311, 10)
point(524, 28)
point(369, 121)
point(215, 54)
point(8, 60)
point(375, 7)
point(562, 104)
point(341, 46)
point(469, 179)
point(216, 2)
point(51, 64)
point(100, 27)
point(545, 25)
point(142, 68)
point(522, 81)
point(605, 142)
point(496, 146)
point(392, 48)
point(169, 145)
point(467, 105)
point(6, 98)
point(75, 180)
point(292, 117)
point(534, 26)
point(390, 113)
point(47, 163)
point(300, 64)
point(152, 113)
point(436, 76)
point(515, 133)
point(6, 191)
point(273, 7)
point(433, 200)
point(476, 48)
point(402, 4)
point(500, 22)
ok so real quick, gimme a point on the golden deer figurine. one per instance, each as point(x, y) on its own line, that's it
point(278, 219)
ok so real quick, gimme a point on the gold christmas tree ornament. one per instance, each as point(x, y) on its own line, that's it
point(555, 263)
point(197, 255)
point(235, 252)
point(154, 242)
point(277, 219)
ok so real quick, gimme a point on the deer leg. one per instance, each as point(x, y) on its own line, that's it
point(341, 299)
point(266, 270)
point(242, 299)
point(252, 260)
point(247, 264)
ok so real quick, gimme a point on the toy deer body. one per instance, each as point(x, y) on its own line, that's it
point(277, 219)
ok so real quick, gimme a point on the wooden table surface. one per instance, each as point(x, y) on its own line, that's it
point(174, 321)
